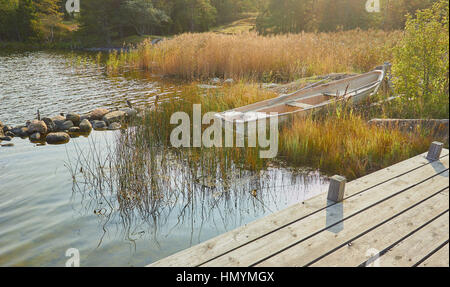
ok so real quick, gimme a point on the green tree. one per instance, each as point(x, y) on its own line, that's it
point(27, 21)
point(143, 16)
point(421, 65)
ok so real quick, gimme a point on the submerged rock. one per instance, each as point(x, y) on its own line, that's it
point(57, 138)
point(99, 125)
point(7, 145)
point(5, 138)
point(98, 114)
point(114, 126)
point(35, 137)
point(114, 117)
point(74, 118)
point(20, 132)
point(85, 126)
point(37, 126)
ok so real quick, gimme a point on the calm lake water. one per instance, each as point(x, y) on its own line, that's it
point(44, 211)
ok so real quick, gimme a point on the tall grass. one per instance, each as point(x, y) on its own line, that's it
point(344, 143)
point(267, 58)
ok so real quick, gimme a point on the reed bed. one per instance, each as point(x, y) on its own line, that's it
point(344, 143)
point(264, 58)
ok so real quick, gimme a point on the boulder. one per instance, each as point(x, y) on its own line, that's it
point(20, 132)
point(37, 126)
point(51, 127)
point(114, 117)
point(74, 130)
point(63, 126)
point(35, 137)
point(59, 118)
point(5, 138)
point(10, 134)
point(85, 126)
point(6, 128)
point(98, 114)
point(7, 145)
point(57, 138)
point(74, 118)
point(130, 113)
point(99, 125)
point(114, 126)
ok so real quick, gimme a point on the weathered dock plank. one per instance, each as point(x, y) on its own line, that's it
point(309, 250)
point(276, 239)
point(419, 245)
point(438, 259)
point(358, 250)
point(309, 231)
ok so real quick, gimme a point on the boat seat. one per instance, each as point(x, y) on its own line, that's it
point(299, 105)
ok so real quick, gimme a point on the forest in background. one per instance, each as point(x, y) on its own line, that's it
point(46, 21)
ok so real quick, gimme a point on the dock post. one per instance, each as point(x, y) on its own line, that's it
point(435, 151)
point(337, 188)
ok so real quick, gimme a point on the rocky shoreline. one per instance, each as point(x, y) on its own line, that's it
point(60, 129)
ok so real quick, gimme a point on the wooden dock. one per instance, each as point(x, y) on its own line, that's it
point(398, 216)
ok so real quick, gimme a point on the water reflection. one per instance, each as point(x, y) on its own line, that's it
point(162, 191)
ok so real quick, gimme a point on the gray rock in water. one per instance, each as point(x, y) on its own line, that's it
point(6, 128)
point(99, 125)
point(20, 132)
point(35, 137)
point(85, 126)
point(7, 145)
point(59, 118)
point(74, 130)
point(130, 113)
point(57, 138)
point(59, 122)
point(66, 126)
point(5, 138)
point(74, 118)
point(51, 127)
point(114, 126)
point(37, 126)
point(98, 114)
point(114, 117)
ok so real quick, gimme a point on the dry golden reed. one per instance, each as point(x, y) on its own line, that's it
point(268, 58)
point(347, 145)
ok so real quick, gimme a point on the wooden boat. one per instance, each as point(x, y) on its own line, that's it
point(355, 89)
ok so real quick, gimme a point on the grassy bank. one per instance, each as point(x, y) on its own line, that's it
point(338, 142)
point(263, 58)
